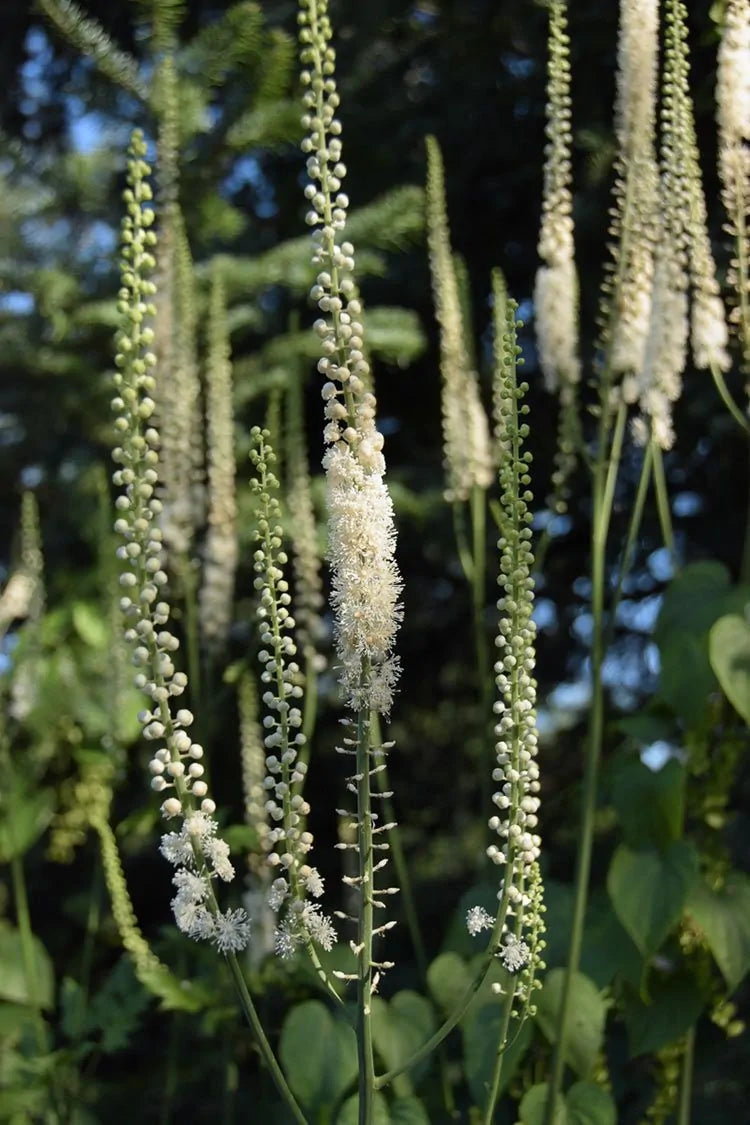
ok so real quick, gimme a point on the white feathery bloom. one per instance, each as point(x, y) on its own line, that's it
point(514, 953)
point(709, 333)
point(733, 74)
point(660, 382)
point(477, 919)
point(556, 322)
point(365, 580)
point(231, 931)
point(637, 49)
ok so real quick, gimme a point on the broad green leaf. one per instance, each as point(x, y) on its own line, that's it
point(587, 1012)
point(448, 978)
point(13, 983)
point(14, 1018)
point(90, 625)
point(481, 1032)
point(319, 1055)
point(399, 1028)
point(533, 1105)
point(408, 1111)
point(649, 890)
point(674, 1005)
point(23, 818)
point(724, 918)
point(697, 597)
point(729, 648)
point(589, 1104)
point(608, 950)
point(349, 1113)
point(650, 804)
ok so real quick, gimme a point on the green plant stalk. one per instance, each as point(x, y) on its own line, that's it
point(686, 1079)
point(364, 981)
point(728, 400)
point(662, 501)
point(170, 1077)
point(604, 487)
point(192, 641)
point(489, 1113)
point(23, 917)
point(636, 518)
point(93, 918)
point(462, 544)
point(264, 1046)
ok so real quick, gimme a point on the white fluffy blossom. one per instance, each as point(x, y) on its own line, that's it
point(477, 919)
point(366, 583)
point(733, 75)
point(514, 953)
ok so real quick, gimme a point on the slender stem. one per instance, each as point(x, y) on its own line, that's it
point(87, 956)
point(23, 917)
point(478, 578)
point(311, 702)
point(686, 1079)
point(728, 400)
point(364, 981)
point(489, 1112)
point(636, 518)
point(325, 979)
point(662, 501)
point(462, 543)
point(604, 486)
point(170, 1077)
point(266, 1051)
point(192, 643)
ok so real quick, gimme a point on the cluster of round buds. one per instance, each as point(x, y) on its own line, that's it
point(176, 767)
point(516, 771)
point(288, 840)
point(350, 407)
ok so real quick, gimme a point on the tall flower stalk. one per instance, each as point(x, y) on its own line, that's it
point(195, 848)
point(366, 586)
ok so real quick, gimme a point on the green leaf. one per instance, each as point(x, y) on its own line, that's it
point(729, 649)
point(589, 1104)
point(23, 818)
point(115, 1011)
point(724, 918)
point(608, 950)
point(587, 1012)
point(533, 1105)
point(13, 983)
point(14, 1018)
point(650, 804)
point(90, 625)
point(696, 598)
point(481, 1032)
point(649, 890)
point(349, 1114)
point(319, 1055)
point(408, 1111)
point(399, 1028)
point(448, 978)
point(674, 1005)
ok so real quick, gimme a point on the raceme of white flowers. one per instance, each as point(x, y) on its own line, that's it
point(467, 451)
point(365, 579)
point(733, 114)
point(516, 772)
point(296, 881)
point(195, 849)
point(637, 188)
point(217, 590)
point(556, 285)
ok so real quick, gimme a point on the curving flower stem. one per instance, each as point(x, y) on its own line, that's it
point(264, 1046)
point(364, 941)
point(605, 475)
point(662, 501)
point(489, 1113)
point(686, 1079)
point(634, 526)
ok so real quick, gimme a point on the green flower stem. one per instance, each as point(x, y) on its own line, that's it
point(23, 917)
point(311, 703)
point(686, 1079)
point(462, 544)
point(662, 500)
point(604, 487)
point(489, 1113)
point(728, 400)
point(636, 518)
point(266, 1051)
point(445, 1028)
point(192, 642)
point(364, 983)
point(170, 1078)
point(326, 980)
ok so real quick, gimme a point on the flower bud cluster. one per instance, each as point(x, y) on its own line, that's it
point(176, 767)
point(467, 452)
point(556, 286)
point(516, 771)
point(350, 407)
point(288, 839)
point(366, 584)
